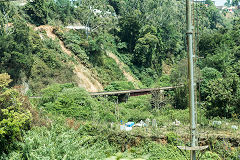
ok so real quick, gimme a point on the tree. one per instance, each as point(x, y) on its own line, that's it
point(222, 97)
point(235, 2)
point(16, 51)
point(95, 49)
point(209, 2)
point(129, 29)
point(63, 11)
point(228, 3)
point(116, 5)
point(14, 118)
point(145, 47)
point(207, 75)
point(38, 11)
point(179, 77)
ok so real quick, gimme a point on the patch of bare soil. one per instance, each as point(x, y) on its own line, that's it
point(84, 75)
point(166, 69)
point(121, 66)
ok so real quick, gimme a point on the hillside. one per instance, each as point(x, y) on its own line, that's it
point(53, 53)
point(83, 74)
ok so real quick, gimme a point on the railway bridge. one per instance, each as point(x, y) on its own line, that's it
point(123, 95)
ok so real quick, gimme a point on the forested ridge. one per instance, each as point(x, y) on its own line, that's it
point(116, 45)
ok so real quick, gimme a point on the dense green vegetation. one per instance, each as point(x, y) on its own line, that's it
point(220, 87)
point(76, 126)
point(14, 115)
point(27, 58)
point(149, 37)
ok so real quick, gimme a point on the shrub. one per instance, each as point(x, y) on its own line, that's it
point(163, 81)
point(172, 138)
point(180, 97)
point(76, 102)
point(208, 75)
point(13, 117)
point(222, 97)
point(50, 93)
point(119, 85)
point(109, 71)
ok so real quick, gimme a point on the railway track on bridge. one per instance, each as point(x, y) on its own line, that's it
point(134, 92)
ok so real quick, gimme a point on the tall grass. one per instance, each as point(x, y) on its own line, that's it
point(61, 142)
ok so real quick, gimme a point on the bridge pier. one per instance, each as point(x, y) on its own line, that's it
point(123, 97)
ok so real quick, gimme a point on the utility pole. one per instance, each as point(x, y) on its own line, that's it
point(191, 78)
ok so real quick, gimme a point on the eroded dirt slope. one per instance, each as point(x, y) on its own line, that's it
point(121, 66)
point(84, 75)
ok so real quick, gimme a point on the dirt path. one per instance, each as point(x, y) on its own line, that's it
point(121, 66)
point(84, 77)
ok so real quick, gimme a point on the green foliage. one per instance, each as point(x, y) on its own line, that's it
point(87, 141)
point(227, 3)
point(150, 37)
point(24, 55)
point(178, 78)
point(42, 75)
point(60, 142)
point(209, 17)
point(211, 156)
point(75, 102)
point(119, 86)
point(159, 151)
point(38, 11)
point(130, 26)
point(42, 12)
point(235, 2)
point(144, 50)
point(167, 115)
point(14, 118)
point(220, 78)
point(208, 75)
point(221, 149)
point(109, 71)
point(16, 51)
point(163, 81)
point(49, 93)
point(92, 53)
point(222, 96)
point(95, 50)
point(146, 75)
point(172, 138)
point(4, 80)
point(8, 14)
point(136, 109)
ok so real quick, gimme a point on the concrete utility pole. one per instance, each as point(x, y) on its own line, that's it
point(191, 78)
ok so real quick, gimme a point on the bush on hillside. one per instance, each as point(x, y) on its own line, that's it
point(223, 97)
point(163, 81)
point(109, 71)
point(208, 74)
point(14, 118)
point(75, 102)
point(119, 85)
point(179, 77)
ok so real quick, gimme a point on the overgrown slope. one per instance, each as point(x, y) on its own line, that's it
point(83, 74)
